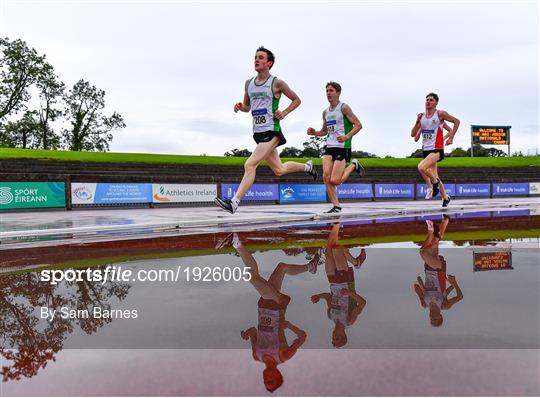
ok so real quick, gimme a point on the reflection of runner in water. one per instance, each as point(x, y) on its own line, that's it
point(268, 340)
point(343, 303)
point(433, 293)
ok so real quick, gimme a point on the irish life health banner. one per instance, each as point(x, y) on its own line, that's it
point(32, 195)
point(256, 192)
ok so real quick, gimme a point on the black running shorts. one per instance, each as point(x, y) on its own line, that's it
point(338, 154)
point(439, 151)
point(266, 136)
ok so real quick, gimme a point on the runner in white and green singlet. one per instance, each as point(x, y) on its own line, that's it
point(340, 124)
point(261, 96)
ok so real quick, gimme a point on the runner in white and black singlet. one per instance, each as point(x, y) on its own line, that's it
point(261, 97)
point(340, 124)
point(429, 125)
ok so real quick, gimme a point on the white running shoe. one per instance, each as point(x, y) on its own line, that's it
point(312, 171)
point(358, 168)
point(429, 193)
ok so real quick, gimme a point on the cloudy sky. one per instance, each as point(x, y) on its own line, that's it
point(174, 69)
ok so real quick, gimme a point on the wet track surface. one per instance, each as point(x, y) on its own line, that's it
point(412, 305)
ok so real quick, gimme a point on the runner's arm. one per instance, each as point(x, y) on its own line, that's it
point(357, 310)
point(250, 334)
point(357, 126)
point(282, 87)
point(417, 127)
point(295, 329)
point(459, 295)
point(326, 296)
point(321, 133)
point(455, 125)
point(297, 343)
point(420, 293)
point(355, 296)
point(244, 106)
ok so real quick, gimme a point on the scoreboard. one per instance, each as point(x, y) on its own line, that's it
point(492, 261)
point(490, 135)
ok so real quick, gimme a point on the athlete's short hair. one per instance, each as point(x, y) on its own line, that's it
point(269, 55)
point(336, 86)
point(435, 96)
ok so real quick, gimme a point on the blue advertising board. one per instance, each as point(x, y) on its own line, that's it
point(421, 190)
point(355, 191)
point(509, 188)
point(394, 190)
point(256, 192)
point(117, 193)
point(472, 190)
point(299, 193)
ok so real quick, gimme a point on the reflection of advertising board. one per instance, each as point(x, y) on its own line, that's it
point(354, 191)
point(534, 188)
point(256, 192)
point(298, 193)
point(110, 193)
point(394, 190)
point(490, 135)
point(421, 190)
point(512, 213)
point(509, 188)
point(474, 214)
point(32, 195)
point(490, 261)
point(472, 190)
point(183, 193)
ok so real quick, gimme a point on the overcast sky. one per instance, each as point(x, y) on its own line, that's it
point(174, 69)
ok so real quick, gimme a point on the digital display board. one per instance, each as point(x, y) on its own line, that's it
point(492, 261)
point(490, 135)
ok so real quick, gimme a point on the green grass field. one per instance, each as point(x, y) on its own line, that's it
point(119, 157)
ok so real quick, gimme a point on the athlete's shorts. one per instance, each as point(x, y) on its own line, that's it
point(266, 136)
point(273, 305)
point(342, 276)
point(443, 265)
point(439, 151)
point(338, 153)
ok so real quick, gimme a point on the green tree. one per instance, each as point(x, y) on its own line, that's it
point(314, 147)
point(238, 152)
point(362, 154)
point(458, 153)
point(416, 154)
point(20, 68)
point(291, 152)
point(51, 90)
point(22, 133)
point(90, 129)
